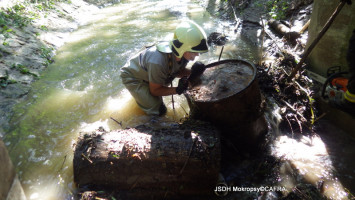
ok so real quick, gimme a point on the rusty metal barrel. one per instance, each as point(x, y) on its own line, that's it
point(228, 95)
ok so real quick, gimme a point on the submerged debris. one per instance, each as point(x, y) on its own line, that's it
point(294, 98)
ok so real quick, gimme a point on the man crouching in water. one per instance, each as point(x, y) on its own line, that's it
point(148, 74)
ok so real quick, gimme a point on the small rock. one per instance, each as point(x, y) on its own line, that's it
point(16, 90)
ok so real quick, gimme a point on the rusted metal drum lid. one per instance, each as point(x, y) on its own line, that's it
point(222, 80)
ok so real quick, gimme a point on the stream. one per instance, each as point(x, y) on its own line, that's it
point(82, 91)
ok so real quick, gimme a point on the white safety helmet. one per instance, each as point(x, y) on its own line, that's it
point(189, 37)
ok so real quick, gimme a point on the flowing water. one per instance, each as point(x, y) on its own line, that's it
point(82, 90)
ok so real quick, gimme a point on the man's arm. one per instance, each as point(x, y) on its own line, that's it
point(161, 90)
point(184, 72)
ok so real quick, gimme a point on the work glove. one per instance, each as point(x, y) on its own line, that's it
point(197, 70)
point(182, 85)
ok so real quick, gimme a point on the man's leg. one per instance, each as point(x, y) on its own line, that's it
point(347, 101)
point(350, 94)
point(150, 104)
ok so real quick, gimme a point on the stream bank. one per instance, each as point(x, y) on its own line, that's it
point(29, 39)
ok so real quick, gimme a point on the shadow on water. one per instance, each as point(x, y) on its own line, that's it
point(315, 165)
point(341, 148)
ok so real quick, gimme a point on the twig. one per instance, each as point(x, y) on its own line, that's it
point(187, 160)
point(275, 42)
point(219, 58)
point(120, 123)
point(299, 123)
point(302, 88)
point(184, 110)
point(235, 16)
point(172, 97)
point(320, 117)
point(289, 123)
point(305, 26)
point(172, 101)
point(308, 93)
point(166, 193)
point(87, 158)
point(60, 169)
point(262, 41)
point(294, 110)
point(135, 183)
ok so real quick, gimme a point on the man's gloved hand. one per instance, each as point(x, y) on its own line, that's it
point(182, 85)
point(197, 70)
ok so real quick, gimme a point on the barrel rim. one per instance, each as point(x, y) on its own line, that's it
point(224, 62)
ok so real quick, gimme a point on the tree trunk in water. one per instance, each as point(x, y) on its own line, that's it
point(180, 160)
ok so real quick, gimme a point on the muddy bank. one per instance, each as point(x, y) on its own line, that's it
point(29, 42)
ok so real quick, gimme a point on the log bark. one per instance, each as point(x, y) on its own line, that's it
point(283, 30)
point(181, 160)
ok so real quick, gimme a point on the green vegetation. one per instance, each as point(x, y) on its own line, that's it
point(23, 69)
point(277, 8)
point(16, 16)
point(21, 14)
point(46, 52)
point(4, 81)
point(43, 5)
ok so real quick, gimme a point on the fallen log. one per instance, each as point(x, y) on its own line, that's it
point(183, 160)
point(283, 30)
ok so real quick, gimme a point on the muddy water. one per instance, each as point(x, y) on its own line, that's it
point(321, 161)
point(82, 91)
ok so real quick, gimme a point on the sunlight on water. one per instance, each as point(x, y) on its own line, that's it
point(119, 103)
point(310, 158)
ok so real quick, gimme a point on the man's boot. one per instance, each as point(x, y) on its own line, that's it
point(162, 109)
